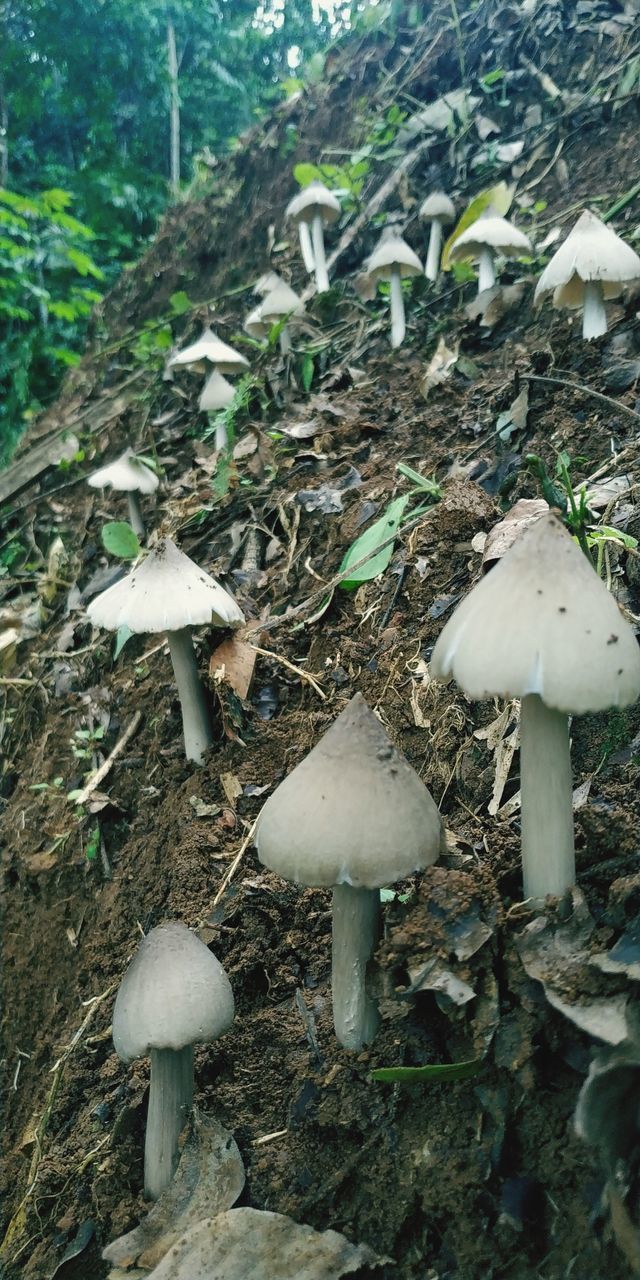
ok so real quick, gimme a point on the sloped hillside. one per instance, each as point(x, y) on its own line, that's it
point(455, 1179)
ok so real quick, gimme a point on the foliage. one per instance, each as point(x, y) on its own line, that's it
point(118, 539)
point(431, 1074)
point(370, 543)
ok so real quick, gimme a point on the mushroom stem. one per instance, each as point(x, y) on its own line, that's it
point(306, 247)
point(486, 271)
point(320, 262)
point(355, 929)
point(398, 326)
point(433, 254)
point(546, 791)
point(135, 514)
point(170, 1101)
point(221, 436)
point(594, 316)
point(196, 725)
point(284, 340)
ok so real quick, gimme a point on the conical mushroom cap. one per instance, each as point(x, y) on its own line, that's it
point(393, 251)
point(216, 393)
point(267, 283)
point(316, 198)
point(438, 207)
point(281, 301)
point(352, 812)
point(542, 622)
point(174, 993)
point(255, 323)
point(494, 233)
point(165, 592)
point(210, 347)
point(591, 251)
point(126, 474)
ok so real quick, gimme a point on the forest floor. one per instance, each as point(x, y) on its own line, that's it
point(455, 1180)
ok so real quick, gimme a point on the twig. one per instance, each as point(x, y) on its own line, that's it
point(7, 680)
point(587, 391)
point(304, 675)
point(236, 863)
point(97, 777)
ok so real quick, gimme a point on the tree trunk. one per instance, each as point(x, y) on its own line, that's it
point(4, 137)
point(174, 109)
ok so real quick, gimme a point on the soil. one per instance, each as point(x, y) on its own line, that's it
point(456, 1180)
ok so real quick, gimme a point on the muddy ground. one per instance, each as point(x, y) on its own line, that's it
point(482, 1177)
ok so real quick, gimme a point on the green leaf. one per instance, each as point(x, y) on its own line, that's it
point(307, 371)
point(119, 540)
point(499, 197)
point(367, 545)
point(84, 264)
point(306, 173)
point(423, 483)
point(430, 1074)
point(122, 635)
point(179, 302)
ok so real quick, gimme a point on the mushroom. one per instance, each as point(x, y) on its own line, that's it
point(127, 475)
point(174, 994)
point(210, 347)
point(168, 592)
point(255, 323)
point(392, 259)
point(542, 627)
point(485, 238)
point(591, 265)
point(354, 815)
point(437, 209)
point(216, 393)
point(267, 283)
point(315, 205)
point(281, 302)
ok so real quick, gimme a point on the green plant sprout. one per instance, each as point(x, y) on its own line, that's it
point(574, 508)
point(54, 785)
point(84, 740)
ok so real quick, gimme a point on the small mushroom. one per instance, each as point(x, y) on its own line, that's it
point(211, 348)
point(352, 815)
point(281, 302)
point(266, 283)
point(168, 592)
point(216, 393)
point(392, 259)
point(591, 265)
point(127, 475)
point(483, 240)
point(437, 209)
point(255, 323)
point(314, 205)
point(173, 995)
point(541, 626)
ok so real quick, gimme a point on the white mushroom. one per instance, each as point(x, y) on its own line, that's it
point(591, 265)
point(127, 474)
point(391, 260)
point(209, 347)
point(174, 994)
point(216, 393)
point(315, 205)
point(279, 303)
point(483, 240)
point(541, 626)
point(168, 592)
point(352, 815)
point(437, 209)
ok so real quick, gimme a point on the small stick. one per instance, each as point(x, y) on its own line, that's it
point(97, 777)
point(587, 391)
point(304, 675)
point(6, 680)
point(236, 863)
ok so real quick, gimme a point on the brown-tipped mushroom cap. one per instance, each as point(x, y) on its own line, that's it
point(392, 252)
point(165, 592)
point(591, 251)
point(542, 622)
point(127, 474)
point(281, 301)
point(316, 198)
point(173, 994)
point(490, 232)
point(210, 347)
point(216, 393)
point(352, 812)
point(438, 207)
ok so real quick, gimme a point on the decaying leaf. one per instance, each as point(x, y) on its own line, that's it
point(234, 661)
point(502, 536)
point(503, 745)
point(440, 367)
point(607, 1118)
point(515, 417)
point(490, 306)
point(209, 1179)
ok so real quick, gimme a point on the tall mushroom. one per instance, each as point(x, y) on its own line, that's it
point(168, 592)
point(210, 349)
point(280, 304)
point(127, 474)
point(174, 994)
point(391, 260)
point(593, 264)
point(487, 237)
point(437, 210)
point(216, 393)
point(315, 205)
point(352, 815)
point(541, 626)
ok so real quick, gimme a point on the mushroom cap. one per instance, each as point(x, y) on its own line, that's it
point(352, 812)
point(216, 393)
point(591, 251)
point(174, 993)
point(315, 198)
point(266, 283)
point(210, 347)
point(393, 251)
point(542, 622)
point(255, 323)
point(491, 232)
point(126, 474)
point(281, 301)
point(165, 592)
point(438, 207)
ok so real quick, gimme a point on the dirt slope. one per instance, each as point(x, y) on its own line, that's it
point(483, 1177)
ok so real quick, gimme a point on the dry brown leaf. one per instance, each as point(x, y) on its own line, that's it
point(234, 661)
point(440, 367)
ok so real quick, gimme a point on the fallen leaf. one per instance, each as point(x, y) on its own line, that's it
point(440, 367)
point(231, 786)
point(234, 661)
point(202, 809)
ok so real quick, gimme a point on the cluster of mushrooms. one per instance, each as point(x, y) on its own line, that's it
point(354, 816)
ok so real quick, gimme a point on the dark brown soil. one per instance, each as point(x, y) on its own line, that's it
point(464, 1180)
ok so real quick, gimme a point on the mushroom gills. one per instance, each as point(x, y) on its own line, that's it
point(356, 927)
point(170, 1101)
